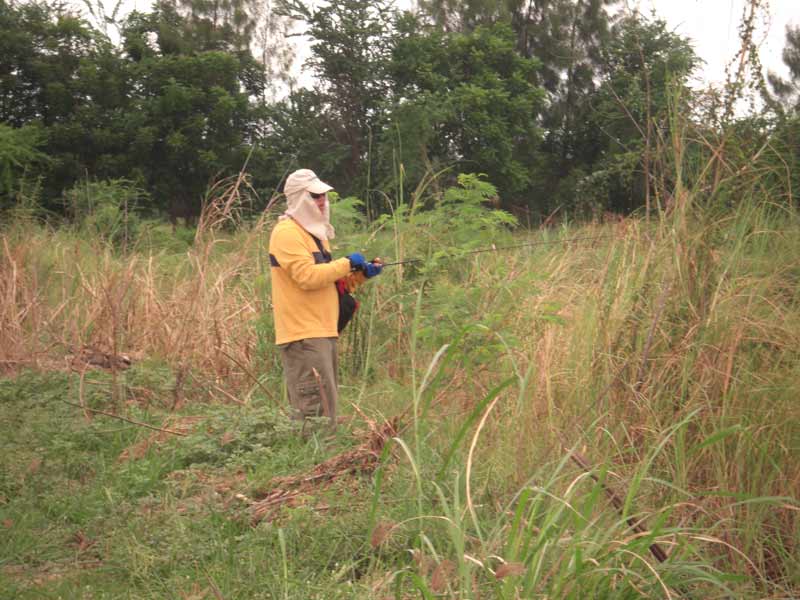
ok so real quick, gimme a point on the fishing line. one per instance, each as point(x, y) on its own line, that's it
point(494, 248)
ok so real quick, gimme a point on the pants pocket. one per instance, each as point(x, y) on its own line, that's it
point(309, 398)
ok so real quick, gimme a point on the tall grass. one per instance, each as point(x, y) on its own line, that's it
point(198, 307)
point(664, 353)
point(671, 361)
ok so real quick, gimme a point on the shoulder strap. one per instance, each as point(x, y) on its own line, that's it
point(325, 253)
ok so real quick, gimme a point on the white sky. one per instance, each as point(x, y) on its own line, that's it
point(713, 26)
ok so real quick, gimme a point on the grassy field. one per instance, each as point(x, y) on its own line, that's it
point(611, 417)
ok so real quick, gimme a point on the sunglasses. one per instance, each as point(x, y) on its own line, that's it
point(317, 196)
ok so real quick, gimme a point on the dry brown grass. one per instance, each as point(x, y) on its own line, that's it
point(59, 293)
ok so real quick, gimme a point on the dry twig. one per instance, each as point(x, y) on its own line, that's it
point(127, 420)
point(363, 459)
point(657, 551)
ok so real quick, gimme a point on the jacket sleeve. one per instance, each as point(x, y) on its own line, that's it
point(293, 256)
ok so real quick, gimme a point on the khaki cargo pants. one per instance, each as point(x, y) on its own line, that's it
point(310, 394)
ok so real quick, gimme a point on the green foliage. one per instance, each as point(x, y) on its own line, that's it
point(107, 210)
point(347, 214)
point(464, 98)
point(45, 53)
point(19, 150)
point(71, 490)
point(646, 68)
point(155, 236)
point(171, 115)
point(668, 349)
point(784, 177)
point(530, 94)
point(299, 134)
point(497, 364)
point(188, 123)
point(465, 211)
point(784, 131)
point(567, 38)
point(444, 227)
point(439, 234)
point(42, 52)
point(330, 127)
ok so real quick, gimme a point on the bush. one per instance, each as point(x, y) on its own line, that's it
point(107, 209)
point(460, 221)
point(156, 236)
point(19, 151)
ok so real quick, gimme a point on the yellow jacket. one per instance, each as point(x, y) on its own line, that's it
point(304, 298)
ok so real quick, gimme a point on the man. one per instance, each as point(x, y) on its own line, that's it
point(305, 299)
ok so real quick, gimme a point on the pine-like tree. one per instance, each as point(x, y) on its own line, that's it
point(787, 91)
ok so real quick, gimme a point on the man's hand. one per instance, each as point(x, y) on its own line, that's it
point(376, 266)
point(359, 263)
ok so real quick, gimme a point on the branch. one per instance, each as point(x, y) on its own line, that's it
point(127, 420)
point(657, 551)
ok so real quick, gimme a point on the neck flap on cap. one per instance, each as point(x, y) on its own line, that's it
point(302, 207)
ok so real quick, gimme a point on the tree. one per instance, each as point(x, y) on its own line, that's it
point(644, 64)
point(349, 49)
point(190, 116)
point(41, 47)
point(567, 38)
point(58, 73)
point(466, 98)
point(273, 50)
point(19, 150)
point(465, 15)
point(787, 92)
point(785, 137)
point(225, 25)
point(170, 110)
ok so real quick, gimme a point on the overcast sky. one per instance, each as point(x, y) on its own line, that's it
point(713, 26)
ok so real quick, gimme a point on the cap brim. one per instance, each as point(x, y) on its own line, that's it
point(319, 187)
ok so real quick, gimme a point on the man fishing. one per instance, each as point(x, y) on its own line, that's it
point(309, 298)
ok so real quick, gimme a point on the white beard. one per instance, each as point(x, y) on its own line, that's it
point(303, 209)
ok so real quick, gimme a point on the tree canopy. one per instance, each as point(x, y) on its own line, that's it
point(556, 102)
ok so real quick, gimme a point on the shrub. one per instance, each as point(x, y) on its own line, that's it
point(107, 209)
point(18, 152)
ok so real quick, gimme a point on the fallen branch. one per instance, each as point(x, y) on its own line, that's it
point(291, 490)
point(127, 420)
point(583, 463)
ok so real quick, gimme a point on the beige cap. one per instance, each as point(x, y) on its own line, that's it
point(305, 180)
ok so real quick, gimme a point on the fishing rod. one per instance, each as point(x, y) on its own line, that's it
point(494, 248)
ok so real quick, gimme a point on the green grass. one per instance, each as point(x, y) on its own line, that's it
point(168, 524)
point(666, 353)
point(157, 525)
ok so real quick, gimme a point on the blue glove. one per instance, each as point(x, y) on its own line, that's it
point(371, 269)
point(359, 263)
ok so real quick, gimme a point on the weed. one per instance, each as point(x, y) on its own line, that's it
point(665, 354)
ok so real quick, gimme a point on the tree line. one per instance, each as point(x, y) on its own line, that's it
point(559, 103)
